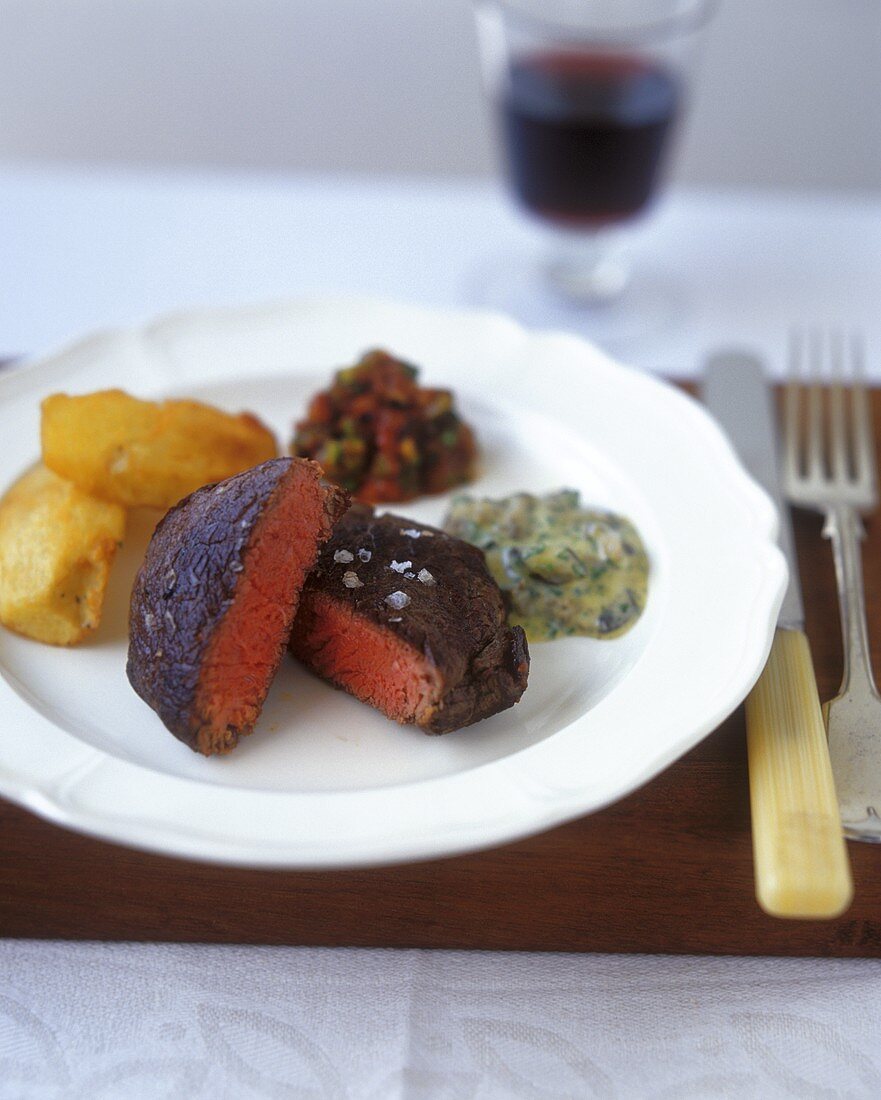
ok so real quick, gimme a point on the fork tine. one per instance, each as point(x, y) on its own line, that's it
point(791, 409)
point(814, 445)
point(828, 454)
point(865, 466)
point(838, 434)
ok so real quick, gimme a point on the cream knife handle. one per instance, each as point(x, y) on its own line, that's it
point(801, 864)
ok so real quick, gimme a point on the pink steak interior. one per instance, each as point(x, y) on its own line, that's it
point(248, 644)
point(368, 661)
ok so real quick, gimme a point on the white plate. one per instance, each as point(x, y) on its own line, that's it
point(325, 781)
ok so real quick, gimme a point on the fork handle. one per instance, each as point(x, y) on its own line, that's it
point(801, 864)
point(845, 528)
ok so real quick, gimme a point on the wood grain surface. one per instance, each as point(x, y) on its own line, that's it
point(668, 869)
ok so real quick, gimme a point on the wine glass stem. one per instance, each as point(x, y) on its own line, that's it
point(590, 268)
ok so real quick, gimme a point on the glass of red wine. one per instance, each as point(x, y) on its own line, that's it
point(588, 95)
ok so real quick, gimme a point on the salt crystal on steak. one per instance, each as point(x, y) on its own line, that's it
point(397, 600)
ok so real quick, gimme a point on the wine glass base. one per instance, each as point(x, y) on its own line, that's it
point(636, 311)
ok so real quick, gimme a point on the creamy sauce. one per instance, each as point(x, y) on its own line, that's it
point(568, 570)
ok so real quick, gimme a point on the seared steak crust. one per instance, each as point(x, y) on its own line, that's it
point(196, 569)
point(452, 619)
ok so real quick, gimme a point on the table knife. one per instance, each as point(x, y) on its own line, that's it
point(800, 858)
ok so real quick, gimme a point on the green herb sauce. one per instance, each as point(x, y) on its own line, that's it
point(569, 570)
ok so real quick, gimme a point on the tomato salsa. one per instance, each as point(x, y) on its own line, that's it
point(382, 436)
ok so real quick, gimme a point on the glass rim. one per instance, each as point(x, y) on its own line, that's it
point(696, 14)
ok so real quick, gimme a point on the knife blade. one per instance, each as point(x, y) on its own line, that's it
point(737, 393)
point(800, 859)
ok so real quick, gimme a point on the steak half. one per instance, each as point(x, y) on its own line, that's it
point(214, 600)
point(409, 619)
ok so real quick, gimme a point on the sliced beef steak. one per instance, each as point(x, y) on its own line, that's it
point(409, 620)
point(213, 603)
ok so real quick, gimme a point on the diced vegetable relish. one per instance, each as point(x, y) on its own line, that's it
point(568, 570)
point(383, 437)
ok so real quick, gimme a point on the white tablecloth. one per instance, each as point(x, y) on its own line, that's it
point(126, 1021)
point(80, 250)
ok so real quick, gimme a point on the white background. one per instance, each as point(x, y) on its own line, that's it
point(787, 92)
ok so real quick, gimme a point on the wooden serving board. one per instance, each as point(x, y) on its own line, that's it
point(668, 869)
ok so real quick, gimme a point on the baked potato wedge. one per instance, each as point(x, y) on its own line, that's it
point(56, 547)
point(147, 453)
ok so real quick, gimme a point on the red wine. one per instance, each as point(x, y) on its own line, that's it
point(585, 134)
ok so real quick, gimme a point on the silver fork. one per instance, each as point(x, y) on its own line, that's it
point(829, 466)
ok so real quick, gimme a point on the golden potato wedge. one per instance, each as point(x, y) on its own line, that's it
point(147, 453)
point(56, 547)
